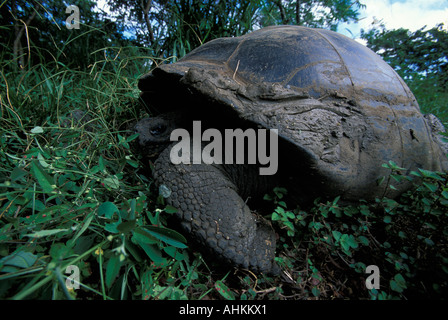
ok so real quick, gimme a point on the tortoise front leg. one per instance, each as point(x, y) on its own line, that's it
point(211, 210)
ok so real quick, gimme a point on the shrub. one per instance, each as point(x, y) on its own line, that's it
point(406, 238)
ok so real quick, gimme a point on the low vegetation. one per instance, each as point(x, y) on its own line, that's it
point(77, 203)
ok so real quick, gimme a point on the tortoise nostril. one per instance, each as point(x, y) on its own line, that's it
point(158, 130)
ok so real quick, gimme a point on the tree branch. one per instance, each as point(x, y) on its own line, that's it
point(298, 12)
point(146, 8)
point(282, 11)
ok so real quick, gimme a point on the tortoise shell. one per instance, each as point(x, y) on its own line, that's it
point(339, 107)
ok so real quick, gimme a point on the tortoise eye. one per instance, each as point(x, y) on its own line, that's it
point(158, 130)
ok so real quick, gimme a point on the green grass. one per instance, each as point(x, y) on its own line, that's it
point(74, 194)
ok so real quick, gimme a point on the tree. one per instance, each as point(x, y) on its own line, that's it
point(421, 53)
point(173, 28)
point(421, 59)
point(169, 28)
point(35, 32)
point(312, 13)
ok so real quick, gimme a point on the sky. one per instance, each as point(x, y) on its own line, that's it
point(408, 14)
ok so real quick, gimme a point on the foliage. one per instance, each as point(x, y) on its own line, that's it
point(420, 58)
point(36, 32)
point(406, 238)
point(170, 29)
point(173, 28)
point(310, 13)
point(72, 193)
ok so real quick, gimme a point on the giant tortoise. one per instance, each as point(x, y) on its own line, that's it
point(339, 110)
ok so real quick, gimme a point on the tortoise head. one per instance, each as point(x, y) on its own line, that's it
point(154, 133)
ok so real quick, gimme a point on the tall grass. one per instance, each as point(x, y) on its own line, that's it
point(71, 191)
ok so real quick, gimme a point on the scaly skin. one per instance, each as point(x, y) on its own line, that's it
point(210, 208)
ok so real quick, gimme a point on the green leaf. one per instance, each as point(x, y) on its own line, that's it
point(174, 252)
point(112, 269)
point(352, 242)
point(107, 209)
point(315, 292)
point(60, 251)
point(168, 293)
point(282, 204)
point(170, 209)
point(431, 186)
point(279, 192)
point(336, 234)
point(289, 225)
point(224, 290)
point(363, 240)
point(126, 226)
point(131, 212)
point(387, 219)
point(37, 130)
point(57, 209)
point(168, 236)
point(398, 284)
point(415, 173)
point(393, 166)
point(348, 241)
point(141, 236)
point(42, 161)
point(132, 163)
point(18, 173)
point(101, 163)
point(45, 233)
point(21, 260)
point(132, 137)
point(431, 174)
point(365, 211)
point(112, 227)
point(84, 227)
point(445, 194)
point(140, 204)
point(380, 181)
point(290, 215)
point(112, 182)
point(154, 254)
point(122, 141)
point(280, 210)
point(344, 242)
point(42, 177)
